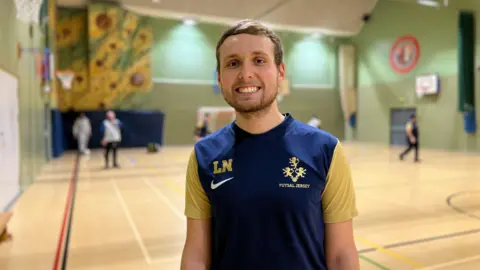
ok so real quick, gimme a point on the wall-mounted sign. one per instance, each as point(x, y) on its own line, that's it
point(404, 54)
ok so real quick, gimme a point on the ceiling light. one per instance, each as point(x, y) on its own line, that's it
point(189, 22)
point(430, 3)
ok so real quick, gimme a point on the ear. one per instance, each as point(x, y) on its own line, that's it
point(281, 73)
point(219, 81)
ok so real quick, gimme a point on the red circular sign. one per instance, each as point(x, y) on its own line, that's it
point(404, 54)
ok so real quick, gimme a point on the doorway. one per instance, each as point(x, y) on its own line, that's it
point(398, 119)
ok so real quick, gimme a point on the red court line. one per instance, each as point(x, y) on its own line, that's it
point(65, 214)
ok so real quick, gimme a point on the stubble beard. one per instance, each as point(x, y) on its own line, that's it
point(265, 102)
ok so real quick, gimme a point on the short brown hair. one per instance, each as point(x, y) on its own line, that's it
point(256, 28)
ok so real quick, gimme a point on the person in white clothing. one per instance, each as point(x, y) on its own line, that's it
point(315, 122)
point(112, 136)
point(82, 131)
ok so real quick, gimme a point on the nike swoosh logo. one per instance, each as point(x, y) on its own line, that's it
point(215, 186)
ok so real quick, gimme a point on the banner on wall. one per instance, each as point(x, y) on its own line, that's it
point(404, 54)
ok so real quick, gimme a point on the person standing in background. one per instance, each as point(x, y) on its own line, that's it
point(411, 130)
point(201, 129)
point(82, 131)
point(315, 122)
point(112, 136)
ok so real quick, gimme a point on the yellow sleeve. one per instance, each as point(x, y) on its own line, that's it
point(197, 205)
point(338, 198)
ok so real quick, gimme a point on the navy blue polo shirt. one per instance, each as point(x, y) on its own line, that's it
point(269, 195)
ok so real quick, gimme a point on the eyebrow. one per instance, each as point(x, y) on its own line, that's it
point(234, 55)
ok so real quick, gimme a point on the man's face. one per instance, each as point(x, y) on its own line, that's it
point(248, 75)
point(110, 115)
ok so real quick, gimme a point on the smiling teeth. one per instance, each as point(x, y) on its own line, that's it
point(248, 90)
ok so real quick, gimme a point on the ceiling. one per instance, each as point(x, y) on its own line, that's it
point(329, 17)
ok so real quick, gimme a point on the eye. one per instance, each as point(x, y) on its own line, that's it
point(259, 61)
point(232, 64)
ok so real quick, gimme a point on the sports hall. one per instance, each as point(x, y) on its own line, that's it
point(362, 67)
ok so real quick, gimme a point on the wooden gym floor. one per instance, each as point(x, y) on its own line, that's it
point(412, 216)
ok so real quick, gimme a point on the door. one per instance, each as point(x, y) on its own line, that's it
point(398, 119)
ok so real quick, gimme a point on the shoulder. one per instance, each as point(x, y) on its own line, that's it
point(305, 134)
point(316, 143)
point(214, 145)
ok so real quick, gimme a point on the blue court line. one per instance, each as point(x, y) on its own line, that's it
point(70, 219)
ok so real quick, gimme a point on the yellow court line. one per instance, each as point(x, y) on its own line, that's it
point(391, 253)
point(174, 186)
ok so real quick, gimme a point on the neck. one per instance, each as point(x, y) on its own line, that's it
point(260, 122)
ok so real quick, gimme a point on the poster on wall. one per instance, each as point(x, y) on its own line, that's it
point(404, 54)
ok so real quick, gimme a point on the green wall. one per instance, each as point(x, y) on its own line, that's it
point(31, 113)
point(381, 89)
point(183, 64)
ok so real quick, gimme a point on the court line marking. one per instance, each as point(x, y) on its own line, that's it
point(133, 226)
point(391, 253)
point(66, 211)
point(164, 198)
point(422, 240)
point(72, 211)
point(378, 265)
point(174, 186)
point(459, 209)
point(451, 263)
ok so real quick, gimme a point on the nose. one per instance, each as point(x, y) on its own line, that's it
point(246, 72)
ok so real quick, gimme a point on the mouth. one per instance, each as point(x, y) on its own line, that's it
point(248, 89)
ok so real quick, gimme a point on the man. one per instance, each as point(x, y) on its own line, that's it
point(82, 130)
point(201, 129)
point(411, 131)
point(266, 191)
point(112, 136)
point(315, 122)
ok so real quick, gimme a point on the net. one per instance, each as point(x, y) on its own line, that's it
point(28, 11)
point(66, 77)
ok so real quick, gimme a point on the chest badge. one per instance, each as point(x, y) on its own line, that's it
point(294, 172)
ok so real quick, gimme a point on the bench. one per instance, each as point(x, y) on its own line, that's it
point(4, 219)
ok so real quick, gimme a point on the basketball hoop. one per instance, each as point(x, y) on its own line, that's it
point(28, 11)
point(428, 84)
point(66, 77)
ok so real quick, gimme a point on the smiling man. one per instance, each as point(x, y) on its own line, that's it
point(267, 191)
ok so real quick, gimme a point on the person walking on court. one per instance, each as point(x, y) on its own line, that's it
point(82, 131)
point(411, 131)
point(266, 191)
point(112, 136)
